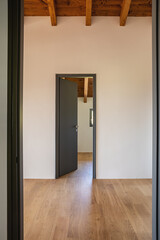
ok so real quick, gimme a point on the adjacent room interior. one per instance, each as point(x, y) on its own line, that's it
point(118, 203)
point(85, 126)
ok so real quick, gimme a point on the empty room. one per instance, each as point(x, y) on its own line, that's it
point(82, 116)
point(69, 193)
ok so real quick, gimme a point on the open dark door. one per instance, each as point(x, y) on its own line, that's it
point(67, 127)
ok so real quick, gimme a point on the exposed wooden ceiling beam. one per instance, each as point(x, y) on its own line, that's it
point(124, 12)
point(52, 12)
point(88, 12)
point(45, 1)
point(85, 90)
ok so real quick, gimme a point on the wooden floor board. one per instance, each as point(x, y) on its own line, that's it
point(75, 207)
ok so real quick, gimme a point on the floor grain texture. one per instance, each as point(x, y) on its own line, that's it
point(75, 207)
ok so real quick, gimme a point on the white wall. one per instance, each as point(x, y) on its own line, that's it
point(3, 117)
point(122, 59)
point(85, 132)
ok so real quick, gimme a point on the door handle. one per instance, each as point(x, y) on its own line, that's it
point(76, 127)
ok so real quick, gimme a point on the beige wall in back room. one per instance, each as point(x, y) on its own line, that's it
point(85, 132)
point(121, 57)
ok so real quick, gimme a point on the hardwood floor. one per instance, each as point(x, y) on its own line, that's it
point(85, 156)
point(75, 207)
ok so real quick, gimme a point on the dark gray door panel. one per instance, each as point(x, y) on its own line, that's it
point(68, 123)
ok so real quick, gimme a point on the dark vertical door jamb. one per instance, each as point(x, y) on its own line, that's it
point(15, 103)
point(156, 123)
point(94, 126)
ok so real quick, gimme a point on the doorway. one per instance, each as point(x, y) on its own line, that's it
point(67, 88)
point(155, 159)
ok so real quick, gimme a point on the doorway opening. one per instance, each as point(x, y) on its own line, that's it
point(75, 124)
point(131, 196)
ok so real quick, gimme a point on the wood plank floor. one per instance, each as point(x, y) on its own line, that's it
point(75, 207)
